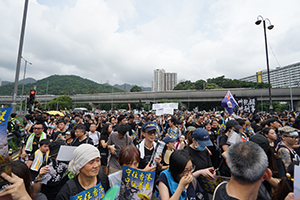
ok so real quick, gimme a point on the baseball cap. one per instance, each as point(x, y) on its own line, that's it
point(288, 130)
point(168, 139)
point(233, 123)
point(202, 136)
point(191, 128)
point(148, 126)
point(261, 140)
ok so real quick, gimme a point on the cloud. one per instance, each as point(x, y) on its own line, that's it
point(124, 41)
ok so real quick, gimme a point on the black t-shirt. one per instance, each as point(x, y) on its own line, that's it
point(132, 125)
point(197, 125)
point(87, 140)
point(65, 193)
point(35, 144)
point(224, 169)
point(221, 193)
point(56, 179)
point(200, 159)
point(143, 162)
point(103, 151)
point(54, 135)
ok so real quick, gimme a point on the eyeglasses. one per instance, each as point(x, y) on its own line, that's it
point(151, 133)
point(293, 137)
point(187, 171)
point(37, 128)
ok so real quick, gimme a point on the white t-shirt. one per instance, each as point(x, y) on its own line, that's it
point(94, 136)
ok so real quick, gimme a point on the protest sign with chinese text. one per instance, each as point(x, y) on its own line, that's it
point(136, 184)
point(209, 185)
point(4, 156)
point(94, 193)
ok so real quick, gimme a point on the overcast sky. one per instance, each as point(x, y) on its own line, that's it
point(123, 41)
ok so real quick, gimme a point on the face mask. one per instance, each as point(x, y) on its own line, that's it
point(200, 148)
point(76, 120)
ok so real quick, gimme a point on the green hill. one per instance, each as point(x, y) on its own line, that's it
point(61, 85)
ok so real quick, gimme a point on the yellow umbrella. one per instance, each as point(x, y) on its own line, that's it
point(54, 112)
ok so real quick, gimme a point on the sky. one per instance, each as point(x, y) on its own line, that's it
point(116, 42)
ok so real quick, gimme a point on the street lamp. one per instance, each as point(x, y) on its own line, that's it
point(26, 61)
point(14, 100)
point(259, 20)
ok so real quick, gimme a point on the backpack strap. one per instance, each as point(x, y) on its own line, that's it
point(72, 187)
point(104, 180)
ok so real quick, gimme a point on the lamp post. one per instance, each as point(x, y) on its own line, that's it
point(14, 103)
point(26, 61)
point(259, 20)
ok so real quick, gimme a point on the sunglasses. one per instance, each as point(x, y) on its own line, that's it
point(37, 128)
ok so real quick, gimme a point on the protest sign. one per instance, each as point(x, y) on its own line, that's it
point(136, 184)
point(4, 156)
point(94, 193)
point(165, 105)
point(209, 185)
point(247, 105)
point(157, 151)
point(134, 134)
point(65, 153)
point(173, 134)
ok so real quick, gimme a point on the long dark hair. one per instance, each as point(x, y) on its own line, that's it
point(22, 171)
point(178, 161)
point(286, 185)
point(105, 129)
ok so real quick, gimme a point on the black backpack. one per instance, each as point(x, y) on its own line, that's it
point(12, 126)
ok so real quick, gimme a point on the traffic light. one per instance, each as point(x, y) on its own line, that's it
point(32, 96)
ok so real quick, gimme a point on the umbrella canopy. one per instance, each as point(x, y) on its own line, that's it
point(54, 112)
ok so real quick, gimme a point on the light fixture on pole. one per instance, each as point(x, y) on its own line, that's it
point(26, 61)
point(259, 20)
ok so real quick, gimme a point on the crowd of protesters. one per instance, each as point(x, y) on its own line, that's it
point(257, 151)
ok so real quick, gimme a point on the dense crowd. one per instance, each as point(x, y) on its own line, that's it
point(256, 151)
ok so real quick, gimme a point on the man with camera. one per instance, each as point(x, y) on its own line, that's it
point(116, 141)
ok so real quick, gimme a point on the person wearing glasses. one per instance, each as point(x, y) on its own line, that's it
point(147, 146)
point(284, 148)
point(178, 182)
point(32, 141)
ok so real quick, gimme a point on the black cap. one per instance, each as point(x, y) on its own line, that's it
point(233, 123)
point(261, 140)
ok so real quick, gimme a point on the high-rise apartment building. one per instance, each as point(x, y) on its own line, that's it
point(170, 81)
point(279, 78)
point(163, 81)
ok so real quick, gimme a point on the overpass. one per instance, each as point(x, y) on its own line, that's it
point(215, 95)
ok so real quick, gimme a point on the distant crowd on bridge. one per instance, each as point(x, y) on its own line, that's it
point(191, 155)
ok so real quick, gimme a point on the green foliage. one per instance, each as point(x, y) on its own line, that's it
point(277, 106)
point(185, 85)
point(61, 85)
point(61, 103)
point(218, 83)
point(234, 83)
point(136, 88)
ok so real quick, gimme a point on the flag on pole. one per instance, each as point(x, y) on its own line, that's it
point(229, 102)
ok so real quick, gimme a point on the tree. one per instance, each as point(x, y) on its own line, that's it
point(135, 88)
point(61, 102)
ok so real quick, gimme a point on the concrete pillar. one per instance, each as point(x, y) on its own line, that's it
point(93, 105)
point(297, 105)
